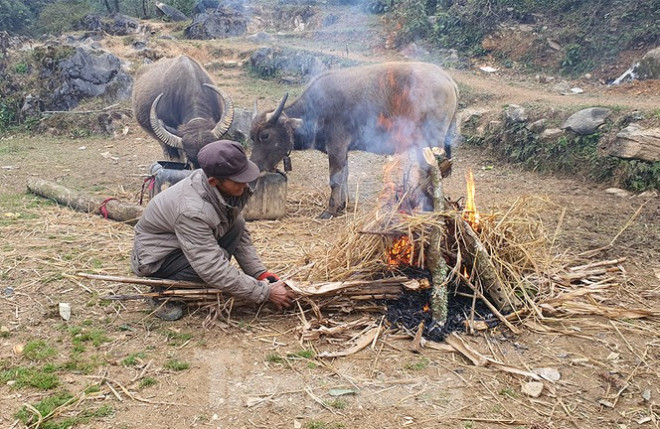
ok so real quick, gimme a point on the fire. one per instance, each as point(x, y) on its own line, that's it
point(470, 213)
point(401, 252)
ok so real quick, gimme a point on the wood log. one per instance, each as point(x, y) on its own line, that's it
point(434, 258)
point(483, 269)
point(115, 209)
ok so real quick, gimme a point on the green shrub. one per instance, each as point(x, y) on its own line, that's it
point(61, 16)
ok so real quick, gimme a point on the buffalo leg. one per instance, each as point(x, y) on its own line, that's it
point(338, 185)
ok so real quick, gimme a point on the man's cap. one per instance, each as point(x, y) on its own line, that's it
point(226, 159)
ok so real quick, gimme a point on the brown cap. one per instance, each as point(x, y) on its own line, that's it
point(226, 159)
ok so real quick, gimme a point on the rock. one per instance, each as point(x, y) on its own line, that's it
point(88, 74)
point(537, 126)
point(203, 5)
point(172, 13)
point(260, 37)
point(115, 24)
point(222, 23)
point(550, 374)
point(139, 45)
point(587, 121)
point(617, 192)
point(470, 120)
point(561, 87)
point(494, 127)
point(551, 135)
point(649, 65)
point(634, 142)
point(32, 106)
point(296, 66)
point(532, 388)
point(515, 114)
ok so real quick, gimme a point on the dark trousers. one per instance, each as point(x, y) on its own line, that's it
point(177, 267)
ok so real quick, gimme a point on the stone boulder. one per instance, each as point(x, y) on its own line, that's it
point(649, 65)
point(172, 13)
point(288, 65)
point(515, 114)
point(204, 5)
point(222, 23)
point(587, 121)
point(634, 142)
point(88, 74)
point(114, 24)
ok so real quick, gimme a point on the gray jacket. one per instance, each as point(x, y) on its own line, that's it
point(191, 216)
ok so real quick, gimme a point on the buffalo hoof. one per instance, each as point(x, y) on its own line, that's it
point(326, 215)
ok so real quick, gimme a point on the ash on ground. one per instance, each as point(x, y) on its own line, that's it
point(413, 308)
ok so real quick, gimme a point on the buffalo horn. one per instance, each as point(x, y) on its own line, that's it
point(276, 114)
point(156, 124)
point(227, 112)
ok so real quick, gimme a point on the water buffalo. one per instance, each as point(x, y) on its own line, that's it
point(175, 100)
point(385, 108)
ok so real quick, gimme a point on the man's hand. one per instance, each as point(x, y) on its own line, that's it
point(280, 295)
point(271, 277)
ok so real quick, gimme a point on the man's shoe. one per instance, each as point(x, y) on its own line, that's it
point(168, 310)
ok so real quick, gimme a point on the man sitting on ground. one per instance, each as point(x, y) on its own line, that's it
point(191, 230)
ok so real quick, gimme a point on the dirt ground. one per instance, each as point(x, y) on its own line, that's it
point(253, 371)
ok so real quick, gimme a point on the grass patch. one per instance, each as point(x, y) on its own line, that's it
point(508, 391)
point(274, 358)
point(133, 359)
point(304, 354)
point(77, 363)
point(38, 350)
point(147, 382)
point(39, 378)
point(47, 405)
point(338, 403)
point(20, 207)
point(177, 365)
point(177, 338)
point(81, 335)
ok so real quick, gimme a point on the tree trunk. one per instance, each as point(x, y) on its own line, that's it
point(110, 208)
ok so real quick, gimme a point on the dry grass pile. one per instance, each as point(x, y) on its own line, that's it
point(542, 280)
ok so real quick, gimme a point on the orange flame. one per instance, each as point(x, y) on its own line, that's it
point(401, 252)
point(470, 213)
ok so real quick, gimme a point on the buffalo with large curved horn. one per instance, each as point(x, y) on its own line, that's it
point(176, 101)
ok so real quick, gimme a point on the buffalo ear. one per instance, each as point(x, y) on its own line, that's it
point(295, 123)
